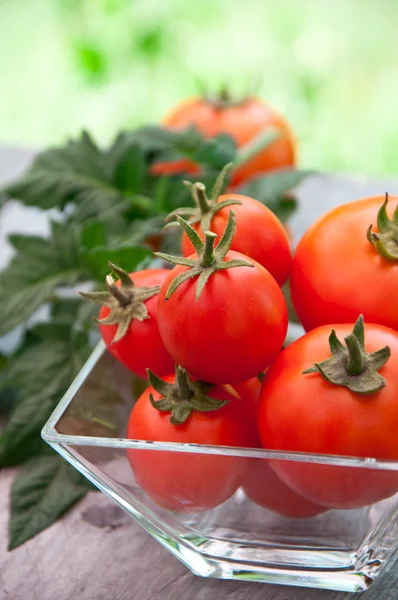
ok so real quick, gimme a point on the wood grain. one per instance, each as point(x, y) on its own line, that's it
point(96, 552)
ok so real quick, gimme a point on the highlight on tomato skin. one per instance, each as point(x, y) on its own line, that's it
point(243, 120)
point(327, 397)
point(190, 482)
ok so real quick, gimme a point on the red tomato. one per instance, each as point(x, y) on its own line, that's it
point(263, 486)
point(337, 273)
point(259, 235)
point(305, 413)
point(249, 393)
point(141, 347)
point(190, 481)
point(233, 331)
point(243, 121)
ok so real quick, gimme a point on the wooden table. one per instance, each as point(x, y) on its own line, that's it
point(97, 552)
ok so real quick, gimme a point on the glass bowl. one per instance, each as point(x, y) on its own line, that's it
point(276, 536)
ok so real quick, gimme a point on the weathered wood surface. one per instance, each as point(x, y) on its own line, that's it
point(96, 552)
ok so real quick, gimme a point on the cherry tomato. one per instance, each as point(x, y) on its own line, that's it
point(141, 347)
point(263, 486)
point(338, 274)
point(243, 121)
point(184, 481)
point(259, 235)
point(306, 413)
point(233, 331)
point(249, 393)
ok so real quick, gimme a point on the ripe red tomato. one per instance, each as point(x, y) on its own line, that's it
point(259, 235)
point(233, 331)
point(141, 346)
point(184, 481)
point(243, 121)
point(337, 273)
point(249, 393)
point(306, 413)
point(263, 486)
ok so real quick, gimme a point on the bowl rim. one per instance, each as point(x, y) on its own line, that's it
point(53, 437)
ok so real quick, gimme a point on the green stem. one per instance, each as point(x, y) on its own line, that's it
point(356, 363)
point(121, 297)
point(252, 148)
point(208, 250)
point(201, 198)
point(184, 390)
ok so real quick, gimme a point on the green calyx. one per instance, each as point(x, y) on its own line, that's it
point(205, 208)
point(210, 259)
point(183, 396)
point(350, 365)
point(224, 98)
point(126, 302)
point(385, 241)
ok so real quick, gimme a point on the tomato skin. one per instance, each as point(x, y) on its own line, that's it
point(243, 121)
point(233, 331)
point(259, 235)
point(337, 274)
point(142, 335)
point(263, 486)
point(249, 393)
point(305, 413)
point(190, 481)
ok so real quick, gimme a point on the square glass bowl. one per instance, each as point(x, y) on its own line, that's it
point(278, 538)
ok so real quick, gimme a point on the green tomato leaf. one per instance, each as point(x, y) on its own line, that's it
point(37, 269)
point(93, 234)
point(273, 190)
point(216, 152)
point(130, 170)
point(60, 358)
point(44, 489)
point(71, 173)
point(155, 140)
point(65, 310)
point(128, 258)
point(266, 188)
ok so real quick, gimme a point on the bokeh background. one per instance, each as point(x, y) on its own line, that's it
point(330, 66)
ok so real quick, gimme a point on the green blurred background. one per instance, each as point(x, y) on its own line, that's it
point(330, 66)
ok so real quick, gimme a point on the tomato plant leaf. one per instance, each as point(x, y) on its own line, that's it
point(130, 171)
point(61, 351)
point(93, 234)
point(62, 175)
point(128, 258)
point(274, 184)
point(44, 489)
point(37, 269)
point(215, 152)
point(273, 190)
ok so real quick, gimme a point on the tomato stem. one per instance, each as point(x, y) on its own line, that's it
point(184, 389)
point(205, 208)
point(125, 303)
point(183, 396)
point(355, 364)
point(351, 366)
point(199, 192)
point(210, 259)
point(385, 241)
point(121, 297)
point(256, 145)
point(208, 250)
